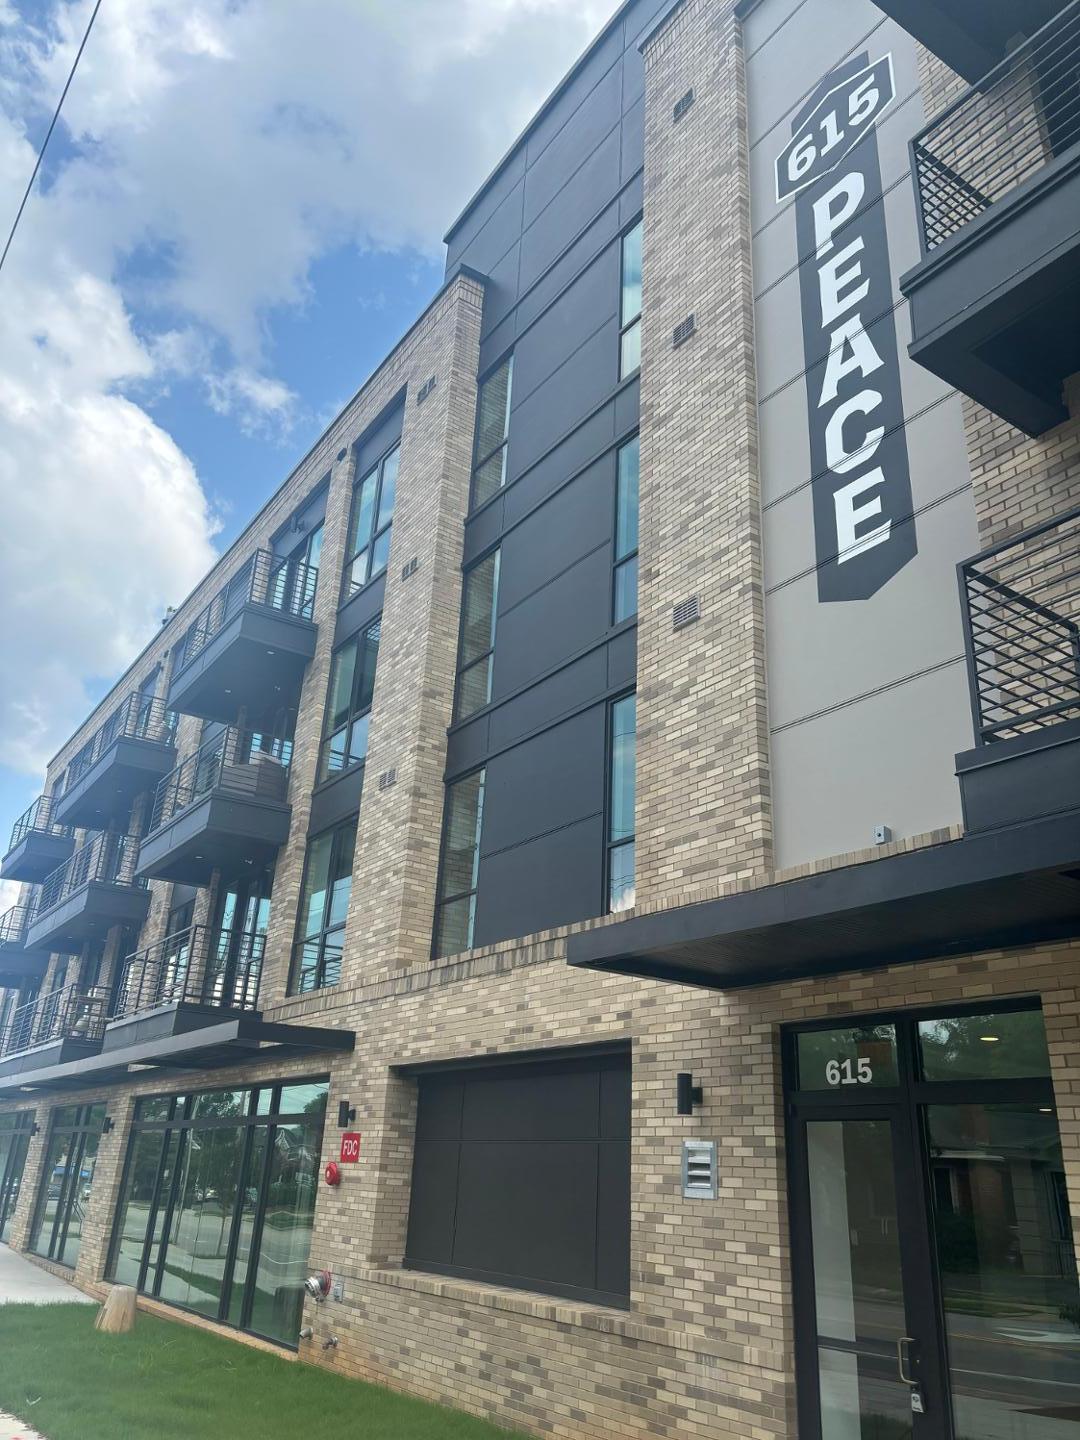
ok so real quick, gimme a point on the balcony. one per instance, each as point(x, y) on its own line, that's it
point(969, 38)
point(127, 755)
point(995, 300)
point(86, 896)
point(250, 646)
point(223, 808)
point(187, 1003)
point(192, 979)
point(37, 845)
point(17, 964)
point(1021, 607)
point(54, 1029)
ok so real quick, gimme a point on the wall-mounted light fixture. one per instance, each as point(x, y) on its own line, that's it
point(106, 1124)
point(346, 1114)
point(687, 1094)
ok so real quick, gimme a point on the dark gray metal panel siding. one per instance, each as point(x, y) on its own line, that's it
point(548, 229)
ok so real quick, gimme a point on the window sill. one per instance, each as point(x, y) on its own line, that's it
point(503, 1297)
point(331, 780)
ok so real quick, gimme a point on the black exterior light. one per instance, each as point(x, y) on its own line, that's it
point(346, 1114)
point(106, 1124)
point(687, 1094)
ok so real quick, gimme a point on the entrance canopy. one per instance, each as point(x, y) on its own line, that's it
point(1011, 887)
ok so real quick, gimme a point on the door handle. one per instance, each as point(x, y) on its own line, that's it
point(903, 1359)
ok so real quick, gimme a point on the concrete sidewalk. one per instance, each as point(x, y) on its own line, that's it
point(21, 1282)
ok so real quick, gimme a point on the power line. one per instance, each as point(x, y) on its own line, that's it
point(48, 133)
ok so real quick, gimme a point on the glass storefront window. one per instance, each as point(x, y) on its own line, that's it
point(217, 1206)
point(851, 1055)
point(67, 1179)
point(1004, 1045)
point(14, 1141)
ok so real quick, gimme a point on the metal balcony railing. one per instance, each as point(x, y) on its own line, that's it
point(67, 1014)
point(1021, 608)
point(265, 579)
point(107, 858)
point(13, 925)
point(199, 965)
point(37, 818)
point(241, 763)
point(999, 133)
point(139, 717)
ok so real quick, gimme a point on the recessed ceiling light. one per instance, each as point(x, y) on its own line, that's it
point(990, 1039)
point(1046, 1109)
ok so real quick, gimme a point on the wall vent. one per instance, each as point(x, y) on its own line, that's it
point(425, 390)
point(685, 613)
point(683, 105)
point(387, 778)
point(699, 1169)
point(410, 567)
point(683, 331)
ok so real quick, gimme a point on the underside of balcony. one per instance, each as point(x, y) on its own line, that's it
point(34, 855)
point(970, 38)
point(130, 765)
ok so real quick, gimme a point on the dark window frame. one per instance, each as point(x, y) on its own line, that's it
point(487, 656)
point(88, 1121)
point(625, 841)
point(350, 587)
point(441, 900)
point(481, 460)
point(356, 712)
point(325, 930)
point(626, 324)
point(620, 560)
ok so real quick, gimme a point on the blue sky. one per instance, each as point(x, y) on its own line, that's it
point(241, 213)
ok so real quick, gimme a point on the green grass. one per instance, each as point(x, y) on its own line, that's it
point(167, 1381)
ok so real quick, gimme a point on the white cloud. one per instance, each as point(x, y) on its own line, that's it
point(220, 148)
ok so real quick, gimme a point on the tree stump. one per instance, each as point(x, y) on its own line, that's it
point(117, 1315)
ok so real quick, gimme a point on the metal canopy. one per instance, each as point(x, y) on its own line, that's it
point(231, 1042)
point(1011, 887)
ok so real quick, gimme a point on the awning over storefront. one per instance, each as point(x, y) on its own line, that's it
point(237, 1040)
point(1010, 887)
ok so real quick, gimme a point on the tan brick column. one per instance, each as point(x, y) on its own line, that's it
point(703, 805)
point(397, 852)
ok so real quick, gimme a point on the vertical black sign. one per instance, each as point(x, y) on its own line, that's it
point(863, 527)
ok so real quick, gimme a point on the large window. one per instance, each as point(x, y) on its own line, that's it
point(66, 1180)
point(348, 710)
point(521, 1176)
point(479, 600)
point(369, 525)
point(630, 306)
point(623, 747)
point(455, 913)
point(14, 1140)
point(218, 1202)
point(626, 531)
point(492, 431)
point(324, 908)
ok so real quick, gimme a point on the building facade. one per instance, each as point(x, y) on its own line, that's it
point(595, 867)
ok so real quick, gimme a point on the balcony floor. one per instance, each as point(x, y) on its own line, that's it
point(105, 792)
point(88, 914)
point(995, 309)
point(255, 661)
point(36, 855)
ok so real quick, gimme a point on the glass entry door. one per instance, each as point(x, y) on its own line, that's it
point(936, 1283)
point(235, 962)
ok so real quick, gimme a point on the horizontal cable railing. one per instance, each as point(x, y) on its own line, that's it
point(13, 925)
point(235, 762)
point(139, 717)
point(1021, 606)
point(199, 965)
point(68, 1014)
point(999, 133)
point(266, 579)
point(37, 818)
point(107, 858)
